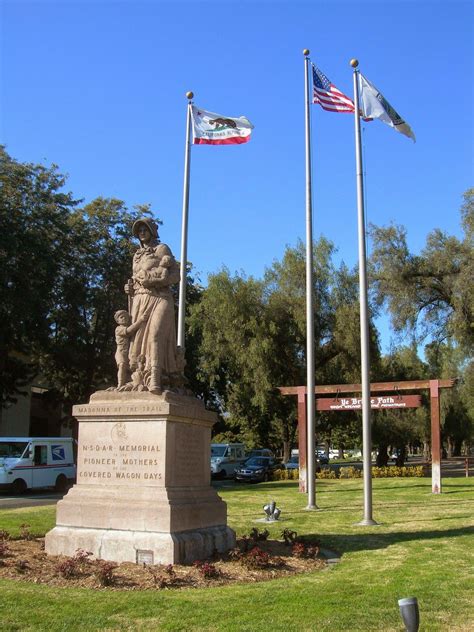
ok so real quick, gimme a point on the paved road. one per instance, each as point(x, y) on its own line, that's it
point(34, 498)
point(455, 466)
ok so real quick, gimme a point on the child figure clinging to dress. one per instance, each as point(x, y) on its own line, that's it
point(123, 332)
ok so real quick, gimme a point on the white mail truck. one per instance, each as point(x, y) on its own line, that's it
point(225, 458)
point(33, 462)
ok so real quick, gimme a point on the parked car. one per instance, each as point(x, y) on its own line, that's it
point(257, 469)
point(293, 463)
point(322, 458)
point(260, 452)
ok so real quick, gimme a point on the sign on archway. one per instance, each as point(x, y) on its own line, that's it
point(382, 402)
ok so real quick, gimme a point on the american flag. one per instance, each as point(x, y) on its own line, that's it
point(327, 95)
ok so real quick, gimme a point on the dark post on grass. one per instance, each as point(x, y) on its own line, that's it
point(410, 613)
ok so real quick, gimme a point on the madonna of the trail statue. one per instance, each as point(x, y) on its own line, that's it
point(152, 332)
point(143, 491)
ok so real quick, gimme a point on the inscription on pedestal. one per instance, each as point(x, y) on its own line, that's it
point(145, 557)
point(119, 409)
point(120, 454)
point(191, 462)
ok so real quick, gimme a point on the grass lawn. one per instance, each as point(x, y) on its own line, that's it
point(423, 547)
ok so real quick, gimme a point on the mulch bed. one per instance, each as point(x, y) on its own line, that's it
point(26, 560)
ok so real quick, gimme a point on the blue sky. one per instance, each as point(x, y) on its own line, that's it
point(99, 89)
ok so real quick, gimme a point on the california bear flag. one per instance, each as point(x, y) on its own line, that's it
point(210, 128)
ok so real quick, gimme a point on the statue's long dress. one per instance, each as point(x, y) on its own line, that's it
point(156, 339)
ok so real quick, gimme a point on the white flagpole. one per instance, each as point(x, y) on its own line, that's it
point(310, 434)
point(184, 227)
point(364, 315)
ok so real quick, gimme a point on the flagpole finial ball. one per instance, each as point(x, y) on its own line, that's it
point(189, 95)
point(354, 63)
point(306, 52)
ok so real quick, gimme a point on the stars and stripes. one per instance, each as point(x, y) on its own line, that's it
point(327, 95)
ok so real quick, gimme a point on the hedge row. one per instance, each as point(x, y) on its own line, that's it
point(391, 471)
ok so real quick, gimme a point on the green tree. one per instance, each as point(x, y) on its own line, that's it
point(95, 264)
point(34, 214)
point(457, 411)
point(430, 293)
point(62, 272)
point(398, 428)
point(239, 356)
point(253, 337)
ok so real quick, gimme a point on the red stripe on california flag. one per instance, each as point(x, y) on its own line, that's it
point(236, 140)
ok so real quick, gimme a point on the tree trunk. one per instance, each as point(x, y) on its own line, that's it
point(286, 451)
point(382, 456)
point(401, 456)
point(426, 451)
point(450, 443)
point(327, 447)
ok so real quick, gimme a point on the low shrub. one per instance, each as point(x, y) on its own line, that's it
point(21, 565)
point(158, 580)
point(294, 475)
point(288, 536)
point(285, 475)
point(25, 533)
point(104, 571)
point(350, 472)
point(4, 551)
point(298, 549)
point(4, 535)
point(207, 570)
point(255, 558)
point(326, 473)
point(258, 536)
point(306, 547)
point(74, 566)
point(392, 471)
point(235, 554)
point(162, 577)
point(67, 568)
point(245, 542)
point(312, 550)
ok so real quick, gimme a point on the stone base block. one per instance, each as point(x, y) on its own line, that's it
point(184, 547)
point(143, 490)
point(137, 509)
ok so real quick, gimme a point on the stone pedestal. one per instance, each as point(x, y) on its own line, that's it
point(143, 489)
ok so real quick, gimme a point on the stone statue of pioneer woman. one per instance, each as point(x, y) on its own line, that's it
point(154, 271)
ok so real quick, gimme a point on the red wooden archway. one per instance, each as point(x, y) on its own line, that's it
point(433, 386)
